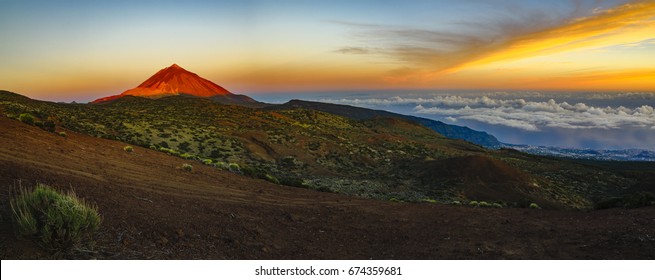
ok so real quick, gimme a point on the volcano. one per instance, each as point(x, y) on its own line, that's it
point(173, 80)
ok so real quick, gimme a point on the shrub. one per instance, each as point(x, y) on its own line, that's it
point(221, 165)
point(534, 206)
point(27, 118)
point(187, 167)
point(293, 182)
point(128, 149)
point(63, 134)
point(496, 205)
point(328, 189)
point(234, 167)
point(272, 179)
point(47, 125)
point(474, 203)
point(207, 161)
point(484, 204)
point(456, 202)
point(59, 220)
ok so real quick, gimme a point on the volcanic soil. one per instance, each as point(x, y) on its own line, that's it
point(153, 209)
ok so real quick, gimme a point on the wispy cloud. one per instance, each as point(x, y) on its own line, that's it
point(354, 50)
point(518, 34)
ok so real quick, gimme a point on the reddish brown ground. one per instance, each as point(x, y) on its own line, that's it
point(153, 209)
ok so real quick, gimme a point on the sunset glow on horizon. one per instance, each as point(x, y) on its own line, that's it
point(85, 50)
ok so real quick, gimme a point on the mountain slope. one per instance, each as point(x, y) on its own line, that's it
point(451, 131)
point(172, 80)
point(380, 158)
point(152, 209)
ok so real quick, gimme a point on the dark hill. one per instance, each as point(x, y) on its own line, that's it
point(451, 131)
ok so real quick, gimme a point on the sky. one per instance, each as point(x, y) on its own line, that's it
point(82, 50)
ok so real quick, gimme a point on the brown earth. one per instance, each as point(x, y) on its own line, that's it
point(154, 209)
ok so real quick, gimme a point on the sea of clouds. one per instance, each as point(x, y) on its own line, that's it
point(608, 120)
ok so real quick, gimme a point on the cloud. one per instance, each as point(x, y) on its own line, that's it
point(520, 113)
point(451, 119)
point(353, 50)
point(509, 33)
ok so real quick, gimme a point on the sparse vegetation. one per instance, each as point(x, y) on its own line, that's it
point(59, 220)
point(534, 206)
point(474, 203)
point(187, 167)
point(63, 134)
point(128, 149)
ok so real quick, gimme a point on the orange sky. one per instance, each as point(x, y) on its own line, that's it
point(85, 52)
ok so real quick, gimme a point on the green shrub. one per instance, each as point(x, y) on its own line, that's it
point(187, 167)
point(496, 205)
point(272, 179)
point(47, 125)
point(534, 206)
point(474, 203)
point(484, 204)
point(221, 165)
point(63, 134)
point(234, 167)
point(59, 220)
point(455, 202)
point(128, 149)
point(293, 182)
point(207, 161)
point(27, 118)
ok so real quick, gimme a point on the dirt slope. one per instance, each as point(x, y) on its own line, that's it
point(153, 209)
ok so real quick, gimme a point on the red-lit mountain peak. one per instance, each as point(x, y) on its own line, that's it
point(172, 80)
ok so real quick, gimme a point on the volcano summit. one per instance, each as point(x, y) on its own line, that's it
point(173, 80)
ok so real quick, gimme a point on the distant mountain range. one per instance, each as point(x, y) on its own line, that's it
point(595, 154)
